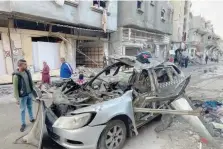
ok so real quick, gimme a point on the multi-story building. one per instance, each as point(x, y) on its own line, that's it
point(142, 25)
point(47, 30)
point(181, 19)
point(202, 39)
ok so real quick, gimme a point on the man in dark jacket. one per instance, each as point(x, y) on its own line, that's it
point(206, 59)
point(65, 69)
point(23, 88)
point(186, 61)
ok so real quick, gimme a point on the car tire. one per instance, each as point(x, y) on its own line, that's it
point(113, 136)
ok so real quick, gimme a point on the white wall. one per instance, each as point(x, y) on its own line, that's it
point(2, 60)
point(178, 20)
point(46, 51)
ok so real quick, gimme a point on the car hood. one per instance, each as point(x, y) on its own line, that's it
point(103, 105)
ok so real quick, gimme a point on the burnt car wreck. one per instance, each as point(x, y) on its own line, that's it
point(112, 105)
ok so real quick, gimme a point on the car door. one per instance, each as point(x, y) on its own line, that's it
point(167, 79)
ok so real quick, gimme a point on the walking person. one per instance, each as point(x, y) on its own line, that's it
point(186, 61)
point(65, 70)
point(206, 59)
point(45, 74)
point(23, 88)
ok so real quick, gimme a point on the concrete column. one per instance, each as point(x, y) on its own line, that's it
point(11, 23)
point(106, 52)
point(115, 43)
point(2, 60)
point(16, 48)
point(123, 50)
point(62, 49)
point(6, 49)
point(157, 51)
point(27, 49)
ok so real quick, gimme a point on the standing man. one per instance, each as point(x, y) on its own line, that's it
point(23, 88)
point(186, 61)
point(206, 59)
point(65, 70)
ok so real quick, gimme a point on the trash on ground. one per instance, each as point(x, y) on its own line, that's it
point(212, 115)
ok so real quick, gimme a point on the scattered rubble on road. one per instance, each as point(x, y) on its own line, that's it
point(6, 90)
point(212, 115)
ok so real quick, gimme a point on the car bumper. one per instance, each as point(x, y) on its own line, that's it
point(82, 138)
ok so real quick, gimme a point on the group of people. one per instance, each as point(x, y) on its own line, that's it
point(23, 86)
point(181, 57)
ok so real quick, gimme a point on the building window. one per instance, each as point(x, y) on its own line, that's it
point(71, 2)
point(209, 37)
point(139, 4)
point(152, 3)
point(99, 4)
point(163, 14)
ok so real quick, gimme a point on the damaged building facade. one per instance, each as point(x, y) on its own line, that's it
point(181, 22)
point(202, 39)
point(145, 27)
point(48, 30)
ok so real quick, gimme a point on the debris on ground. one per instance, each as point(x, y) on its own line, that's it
point(6, 90)
point(212, 115)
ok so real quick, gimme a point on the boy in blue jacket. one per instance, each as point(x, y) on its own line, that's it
point(65, 69)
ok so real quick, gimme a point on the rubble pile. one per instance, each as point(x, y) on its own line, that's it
point(6, 90)
point(212, 115)
point(87, 72)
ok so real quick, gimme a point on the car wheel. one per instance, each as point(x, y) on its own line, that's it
point(113, 136)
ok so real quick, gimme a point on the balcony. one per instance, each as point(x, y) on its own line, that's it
point(73, 12)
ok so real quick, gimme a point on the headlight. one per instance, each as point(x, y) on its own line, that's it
point(72, 122)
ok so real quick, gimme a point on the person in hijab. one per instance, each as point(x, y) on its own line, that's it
point(45, 74)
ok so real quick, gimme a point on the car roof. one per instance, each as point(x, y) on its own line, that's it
point(132, 61)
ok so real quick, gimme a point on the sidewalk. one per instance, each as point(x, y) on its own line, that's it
point(7, 79)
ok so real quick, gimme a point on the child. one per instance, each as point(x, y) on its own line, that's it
point(81, 81)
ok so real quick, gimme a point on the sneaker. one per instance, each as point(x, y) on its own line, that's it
point(23, 127)
point(32, 121)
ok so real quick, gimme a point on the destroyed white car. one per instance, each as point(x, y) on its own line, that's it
point(105, 111)
point(100, 114)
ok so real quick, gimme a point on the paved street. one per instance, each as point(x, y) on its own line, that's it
point(179, 136)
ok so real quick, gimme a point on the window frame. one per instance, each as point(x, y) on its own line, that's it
point(99, 4)
point(163, 68)
point(74, 3)
point(139, 9)
point(152, 3)
point(99, 9)
point(163, 18)
point(139, 3)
